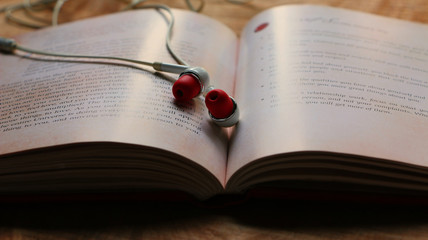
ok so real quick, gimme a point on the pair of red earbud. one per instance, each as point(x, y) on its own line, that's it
point(222, 109)
point(193, 81)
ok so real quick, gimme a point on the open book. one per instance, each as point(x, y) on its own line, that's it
point(328, 98)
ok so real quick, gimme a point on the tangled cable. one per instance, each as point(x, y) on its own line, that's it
point(33, 21)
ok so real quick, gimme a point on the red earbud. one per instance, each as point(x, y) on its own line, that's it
point(219, 103)
point(222, 109)
point(186, 87)
point(190, 84)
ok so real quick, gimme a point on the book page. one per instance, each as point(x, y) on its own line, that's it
point(314, 78)
point(47, 103)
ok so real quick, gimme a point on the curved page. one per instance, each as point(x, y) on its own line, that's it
point(48, 103)
point(314, 78)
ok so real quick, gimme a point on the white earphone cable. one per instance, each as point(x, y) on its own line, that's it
point(29, 7)
point(26, 6)
point(178, 59)
point(10, 46)
point(133, 5)
point(28, 50)
point(56, 10)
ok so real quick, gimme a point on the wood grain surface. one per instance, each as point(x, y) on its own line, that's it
point(254, 219)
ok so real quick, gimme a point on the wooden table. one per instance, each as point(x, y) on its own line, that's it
point(254, 219)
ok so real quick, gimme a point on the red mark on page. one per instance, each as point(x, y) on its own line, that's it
point(261, 27)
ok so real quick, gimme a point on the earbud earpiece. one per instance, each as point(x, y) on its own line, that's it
point(190, 84)
point(193, 81)
point(219, 103)
point(222, 109)
point(186, 87)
